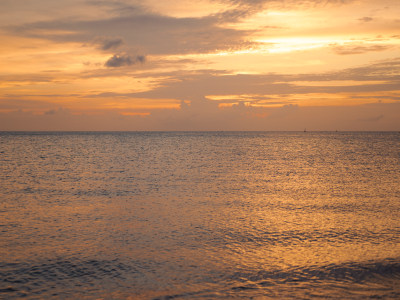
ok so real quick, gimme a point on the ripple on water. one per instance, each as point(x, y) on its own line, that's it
point(60, 276)
point(199, 215)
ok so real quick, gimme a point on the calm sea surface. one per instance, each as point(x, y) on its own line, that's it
point(200, 215)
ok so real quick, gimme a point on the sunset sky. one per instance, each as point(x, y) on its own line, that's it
point(200, 65)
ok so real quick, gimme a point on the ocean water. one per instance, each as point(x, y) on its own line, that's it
point(200, 215)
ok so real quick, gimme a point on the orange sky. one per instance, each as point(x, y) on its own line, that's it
point(200, 65)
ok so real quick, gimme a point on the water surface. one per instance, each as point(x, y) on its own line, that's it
point(196, 215)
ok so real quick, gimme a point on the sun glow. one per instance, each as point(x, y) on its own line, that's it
point(289, 44)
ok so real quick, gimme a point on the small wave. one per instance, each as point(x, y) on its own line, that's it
point(357, 280)
point(354, 272)
point(23, 279)
point(372, 278)
point(291, 237)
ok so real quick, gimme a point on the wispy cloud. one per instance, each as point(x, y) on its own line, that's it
point(366, 19)
point(359, 48)
point(197, 85)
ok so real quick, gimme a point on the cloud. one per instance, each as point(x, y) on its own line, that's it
point(117, 61)
point(146, 32)
point(118, 7)
point(388, 70)
point(21, 104)
point(187, 85)
point(366, 19)
point(293, 4)
point(140, 58)
point(359, 48)
point(155, 34)
point(199, 113)
point(107, 44)
point(207, 116)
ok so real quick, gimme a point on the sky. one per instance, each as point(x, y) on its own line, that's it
point(199, 65)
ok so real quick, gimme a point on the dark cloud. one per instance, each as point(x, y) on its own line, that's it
point(147, 32)
point(107, 44)
point(140, 58)
point(117, 61)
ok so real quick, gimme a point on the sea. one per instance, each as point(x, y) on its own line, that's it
point(199, 215)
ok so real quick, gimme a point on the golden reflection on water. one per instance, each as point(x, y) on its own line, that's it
point(223, 215)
